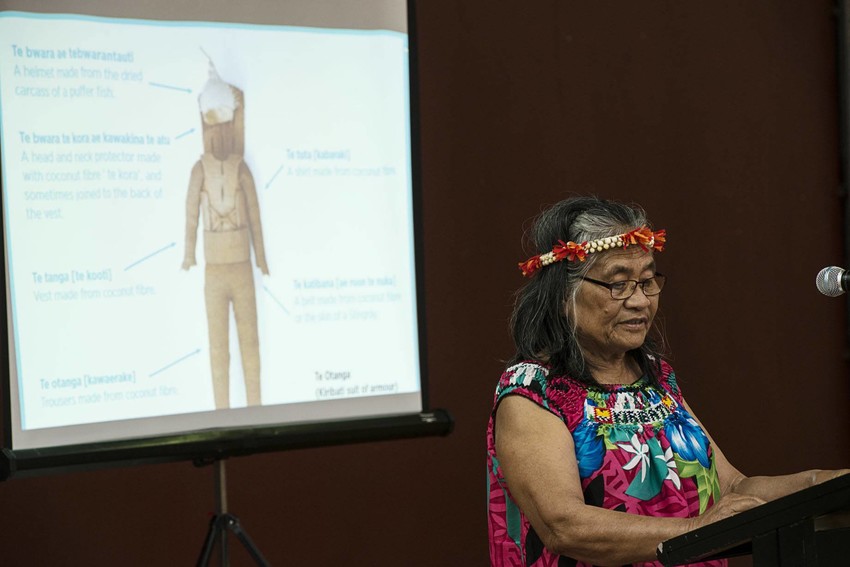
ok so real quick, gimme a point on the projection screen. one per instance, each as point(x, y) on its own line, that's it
point(211, 234)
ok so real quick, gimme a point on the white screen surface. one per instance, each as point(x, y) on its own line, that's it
point(101, 130)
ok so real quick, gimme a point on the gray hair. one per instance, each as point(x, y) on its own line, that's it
point(541, 326)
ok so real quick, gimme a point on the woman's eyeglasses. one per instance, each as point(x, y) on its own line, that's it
point(626, 288)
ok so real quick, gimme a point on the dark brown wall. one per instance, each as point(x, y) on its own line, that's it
point(720, 118)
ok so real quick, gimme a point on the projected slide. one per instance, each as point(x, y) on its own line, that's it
point(204, 216)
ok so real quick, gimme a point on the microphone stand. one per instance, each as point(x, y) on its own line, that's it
point(223, 522)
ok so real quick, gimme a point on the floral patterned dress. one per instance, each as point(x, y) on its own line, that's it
point(638, 451)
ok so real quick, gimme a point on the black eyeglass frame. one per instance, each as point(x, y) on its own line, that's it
point(660, 278)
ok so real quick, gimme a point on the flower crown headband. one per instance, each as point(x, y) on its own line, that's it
point(643, 237)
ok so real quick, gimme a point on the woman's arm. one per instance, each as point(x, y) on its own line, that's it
point(773, 487)
point(765, 488)
point(537, 457)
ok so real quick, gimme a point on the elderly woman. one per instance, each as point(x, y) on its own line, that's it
point(589, 421)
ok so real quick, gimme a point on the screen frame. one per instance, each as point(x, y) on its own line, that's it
point(223, 442)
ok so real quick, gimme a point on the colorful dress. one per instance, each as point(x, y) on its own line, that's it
point(637, 447)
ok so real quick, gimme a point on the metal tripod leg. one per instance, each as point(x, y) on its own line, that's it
point(224, 522)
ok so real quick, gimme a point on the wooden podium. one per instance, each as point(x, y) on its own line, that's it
point(807, 528)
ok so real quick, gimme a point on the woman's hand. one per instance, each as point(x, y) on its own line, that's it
point(823, 476)
point(753, 491)
point(728, 505)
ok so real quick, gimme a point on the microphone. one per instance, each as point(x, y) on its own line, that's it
point(833, 281)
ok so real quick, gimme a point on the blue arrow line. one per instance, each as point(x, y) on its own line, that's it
point(152, 254)
point(273, 176)
point(182, 358)
point(186, 133)
point(276, 300)
point(160, 85)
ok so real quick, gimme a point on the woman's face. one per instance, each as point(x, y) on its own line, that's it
point(606, 327)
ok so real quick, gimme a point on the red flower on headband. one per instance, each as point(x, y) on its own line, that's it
point(660, 239)
point(569, 250)
point(640, 236)
point(530, 266)
point(644, 237)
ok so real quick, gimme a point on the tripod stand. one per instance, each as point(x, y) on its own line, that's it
point(224, 522)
